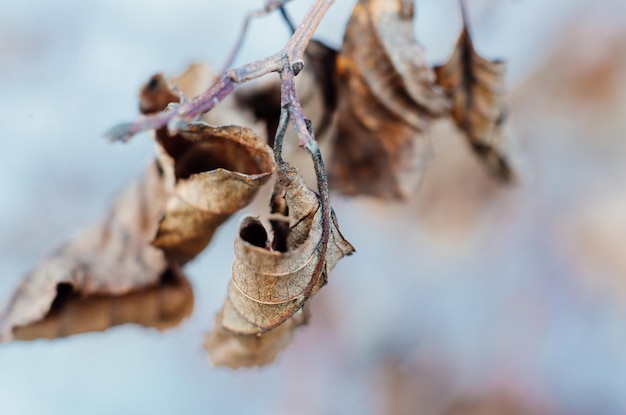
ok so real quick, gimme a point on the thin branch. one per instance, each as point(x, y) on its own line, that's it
point(242, 35)
point(304, 33)
point(304, 131)
point(270, 6)
point(290, 100)
point(289, 56)
point(283, 121)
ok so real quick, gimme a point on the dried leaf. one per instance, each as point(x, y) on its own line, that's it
point(161, 306)
point(114, 257)
point(202, 176)
point(229, 349)
point(387, 99)
point(475, 86)
point(456, 194)
point(211, 173)
point(269, 286)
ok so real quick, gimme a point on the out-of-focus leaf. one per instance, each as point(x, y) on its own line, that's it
point(496, 403)
point(269, 286)
point(429, 386)
point(114, 257)
point(203, 174)
point(456, 195)
point(160, 306)
point(475, 86)
point(386, 101)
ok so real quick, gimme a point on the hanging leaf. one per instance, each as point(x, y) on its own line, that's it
point(161, 306)
point(271, 280)
point(228, 349)
point(212, 173)
point(203, 175)
point(269, 286)
point(387, 99)
point(112, 258)
point(475, 86)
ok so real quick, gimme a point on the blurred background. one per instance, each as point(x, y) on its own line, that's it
point(468, 299)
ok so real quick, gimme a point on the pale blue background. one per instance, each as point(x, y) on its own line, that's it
point(70, 69)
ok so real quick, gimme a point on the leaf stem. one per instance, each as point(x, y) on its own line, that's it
point(270, 6)
point(322, 187)
point(283, 121)
point(304, 131)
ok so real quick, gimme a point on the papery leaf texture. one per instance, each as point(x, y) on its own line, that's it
point(386, 102)
point(159, 306)
point(272, 279)
point(210, 172)
point(114, 257)
point(476, 88)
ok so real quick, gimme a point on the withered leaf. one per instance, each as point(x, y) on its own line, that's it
point(386, 101)
point(114, 257)
point(212, 173)
point(475, 86)
point(234, 350)
point(160, 306)
point(203, 175)
point(269, 286)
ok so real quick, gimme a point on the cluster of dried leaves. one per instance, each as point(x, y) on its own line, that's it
point(376, 98)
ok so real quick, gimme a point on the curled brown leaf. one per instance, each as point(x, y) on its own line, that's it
point(211, 172)
point(476, 88)
point(203, 174)
point(229, 349)
point(269, 286)
point(386, 101)
point(160, 306)
point(272, 279)
point(114, 258)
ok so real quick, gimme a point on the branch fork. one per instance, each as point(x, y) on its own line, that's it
point(289, 61)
